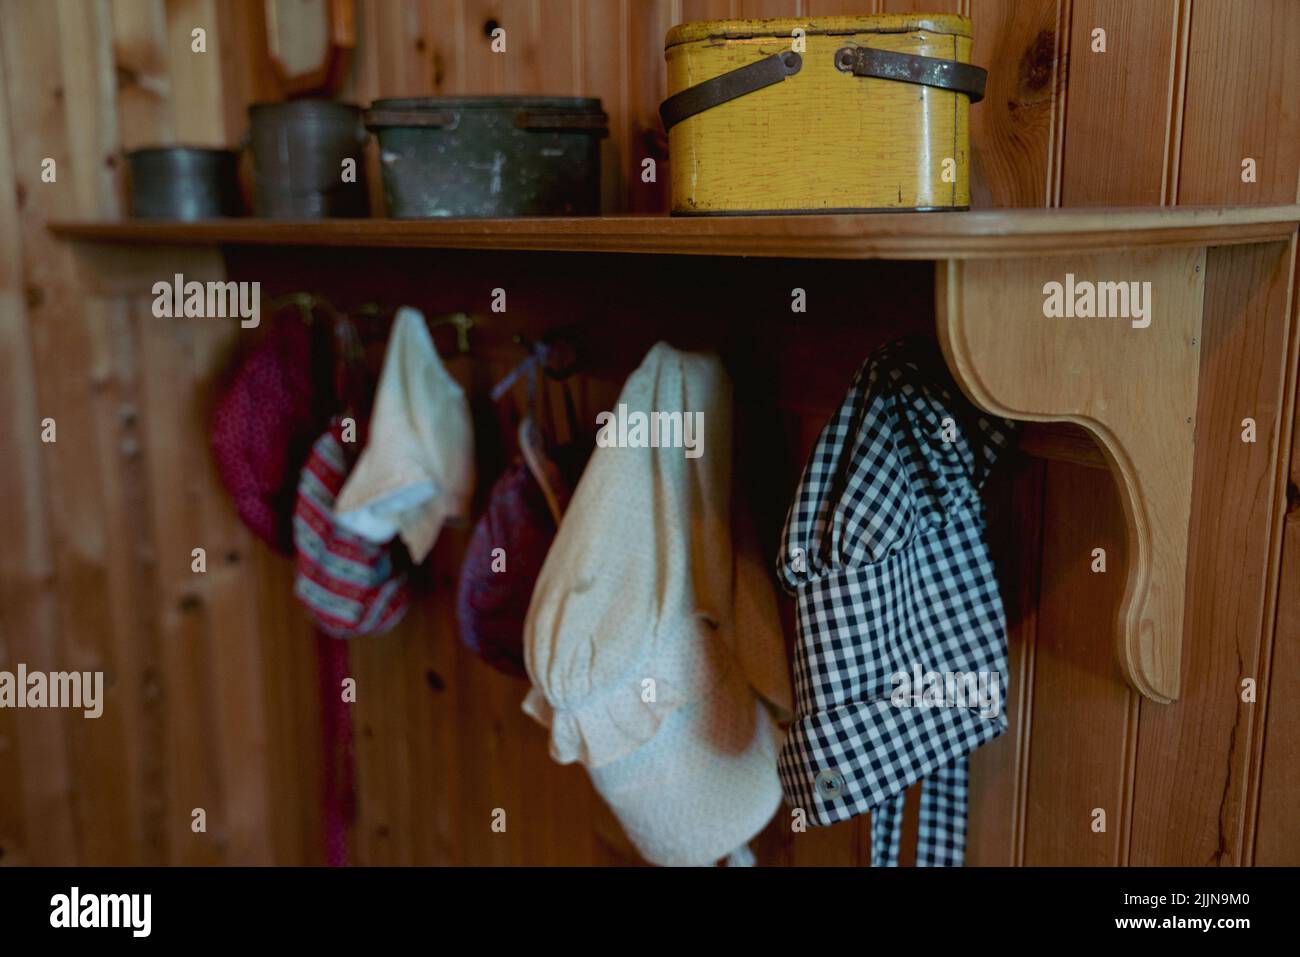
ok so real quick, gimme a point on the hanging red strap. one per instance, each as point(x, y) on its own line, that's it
point(339, 785)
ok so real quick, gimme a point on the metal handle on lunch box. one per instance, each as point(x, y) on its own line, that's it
point(382, 119)
point(911, 68)
point(544, 122)
point(729, 86)
point(860, 61)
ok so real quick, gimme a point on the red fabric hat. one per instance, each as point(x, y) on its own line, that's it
point(349, 586)
point(264, 424)
point(491, 605)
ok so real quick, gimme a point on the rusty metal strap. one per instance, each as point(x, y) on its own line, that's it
point(376, 120)
point(910, 68)
point(549, 122)
point(729, 86)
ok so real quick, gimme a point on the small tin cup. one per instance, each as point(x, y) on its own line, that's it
point(184, 183)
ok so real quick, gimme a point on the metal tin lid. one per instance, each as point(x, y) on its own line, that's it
point(945, 23)
point(563, 104)
point(181, 152)
point(305, 107)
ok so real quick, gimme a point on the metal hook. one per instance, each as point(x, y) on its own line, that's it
point(463, 323)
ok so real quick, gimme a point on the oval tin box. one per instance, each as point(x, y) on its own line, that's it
point(820, 115)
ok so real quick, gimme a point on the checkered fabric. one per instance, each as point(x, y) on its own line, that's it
point(883, 549)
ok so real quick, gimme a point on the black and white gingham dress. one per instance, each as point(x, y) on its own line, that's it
point(883, 549)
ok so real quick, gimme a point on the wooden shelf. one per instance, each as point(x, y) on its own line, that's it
point(1133, 390)
point(936, 236)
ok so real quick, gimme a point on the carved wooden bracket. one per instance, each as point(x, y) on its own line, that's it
point(1133, 388)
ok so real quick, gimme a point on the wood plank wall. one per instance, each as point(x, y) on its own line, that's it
point(212, 696)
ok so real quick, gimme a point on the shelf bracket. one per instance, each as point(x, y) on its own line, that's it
point(1133, 388)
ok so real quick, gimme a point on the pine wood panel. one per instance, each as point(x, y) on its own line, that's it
point(647, 87)
point(1013, 130)
point(94, 522)
point(143, 84)
point(1082, 707)
point(1107, 94)
point(1242, 87)
point(1193, 756)
point(35, 814)
point(604, 54)
point(1242, 83)
point(1274, 838)
point(999, 770)
point(59, 748)
point(196, 90)
point(1118, 93)
point(709, 10)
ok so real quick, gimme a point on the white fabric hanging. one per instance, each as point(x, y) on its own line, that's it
point(417, 469)
point(652, 640)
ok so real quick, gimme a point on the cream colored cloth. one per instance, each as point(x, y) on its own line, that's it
point(417, 469)
point(654, 644)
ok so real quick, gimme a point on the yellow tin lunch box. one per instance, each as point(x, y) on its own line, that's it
point(830, 114)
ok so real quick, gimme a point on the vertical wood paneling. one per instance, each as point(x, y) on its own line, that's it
point(382, 752)
point(1243, 100)
point(1243, 88)
point(923, 6)
point(241, 722)
point(142, 64)
point(559, 35)
point(1240, 100)
point(1193, 755)
point(709, 9)
point(247, 73)
point(1081, 705)
point(1120, 114)
point(289, 663)
point(1273, 827)
point(1015, 135)
point(1123, 95)
point(174, 431)
point(999, 769)
point(770, 8)
point(32, 771)
point(647, 88)
point(405, 37)
point(518, 69)
point(106, 825)
point(604, 62)
point(437, 763)
point(833, 8)
point(212, 698)
point(197, 93)
point(75, 750)
point(1012, 129)
point(447, 46)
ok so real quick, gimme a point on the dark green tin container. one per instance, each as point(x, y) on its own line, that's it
point(184, 183)
point(489, 155)
point(299, 147)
